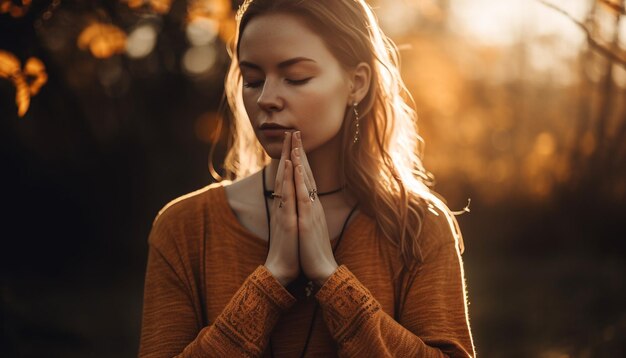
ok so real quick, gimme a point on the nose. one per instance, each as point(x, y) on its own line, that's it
point(270, 99)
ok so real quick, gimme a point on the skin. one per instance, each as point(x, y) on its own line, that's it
point(292, 79)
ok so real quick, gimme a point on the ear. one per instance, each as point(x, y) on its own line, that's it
point(360, 78)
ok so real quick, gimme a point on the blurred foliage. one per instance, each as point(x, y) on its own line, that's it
point(158, 6)
point(521, 105)
point(14, 8)
point(103, 40)
point(27, 81)
point(467, 92)
point(523, 118)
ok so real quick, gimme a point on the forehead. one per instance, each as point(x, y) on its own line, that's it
point(271, 38)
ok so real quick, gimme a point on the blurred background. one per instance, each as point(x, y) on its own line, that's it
point(108, 110)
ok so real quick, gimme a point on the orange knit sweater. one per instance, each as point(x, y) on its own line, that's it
point(208, 295)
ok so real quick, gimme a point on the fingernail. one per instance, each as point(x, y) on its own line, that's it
point(298, 135)
point(300, 169)
point(297, 152)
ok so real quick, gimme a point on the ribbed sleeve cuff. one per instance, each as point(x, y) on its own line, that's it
point(251, 314)
point(346, 304)
point(268, 284)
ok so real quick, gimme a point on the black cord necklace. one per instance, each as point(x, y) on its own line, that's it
point(309, 285)
point(268, 193)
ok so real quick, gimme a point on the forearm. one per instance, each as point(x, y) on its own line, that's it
point(361, 328)
point(243, 327)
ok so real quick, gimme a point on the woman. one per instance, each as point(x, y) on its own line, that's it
point(329, 243)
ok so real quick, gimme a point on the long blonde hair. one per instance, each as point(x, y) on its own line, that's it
point(384, 169)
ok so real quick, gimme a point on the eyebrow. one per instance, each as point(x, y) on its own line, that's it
point(281, 65)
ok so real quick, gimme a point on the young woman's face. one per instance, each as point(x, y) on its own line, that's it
point(290, 78)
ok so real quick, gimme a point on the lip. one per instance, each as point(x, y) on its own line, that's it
point(273, 129)
point(275, 132)
point(272, 125)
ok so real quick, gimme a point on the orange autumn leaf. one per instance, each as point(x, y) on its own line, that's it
point(102, 40)
point(159, 6)
point(35, 69)
point(8, 6)
point(133, 4)
point(22, 95)
point(216, 10)
point(5, 6)
point(9, 64)
point(27, 82)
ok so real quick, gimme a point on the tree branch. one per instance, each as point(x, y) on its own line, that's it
point(618, 57)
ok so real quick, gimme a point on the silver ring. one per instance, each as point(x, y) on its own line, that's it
point(274, 195)
point(312, 194)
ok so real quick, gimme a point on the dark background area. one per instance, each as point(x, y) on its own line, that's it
point(108, 141)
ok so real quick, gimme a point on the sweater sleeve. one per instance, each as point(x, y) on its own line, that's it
point(171, 323)
point(434, 321)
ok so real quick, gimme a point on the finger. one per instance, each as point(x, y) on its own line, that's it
point(304, 203)
point(278, 183)
point(297, 156)
point(305, 162)
point(280, 180)
point(297, 160)
point(288, 192)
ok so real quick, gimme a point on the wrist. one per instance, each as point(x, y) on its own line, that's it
point(325, 274)
point(282, 279)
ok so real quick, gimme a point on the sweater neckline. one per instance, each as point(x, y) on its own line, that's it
point(229, 216)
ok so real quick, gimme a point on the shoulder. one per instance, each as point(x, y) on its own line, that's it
point(184, 214)
point(440, 226)
point(186, 207)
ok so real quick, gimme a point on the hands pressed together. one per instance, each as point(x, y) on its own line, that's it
point(299, 234)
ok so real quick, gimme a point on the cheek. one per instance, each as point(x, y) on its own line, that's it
point(249, 102)
point(320, 117)
point(324, 103)
point(325, 96)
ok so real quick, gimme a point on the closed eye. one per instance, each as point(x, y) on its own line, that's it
point(291, 82)
point(298, 82)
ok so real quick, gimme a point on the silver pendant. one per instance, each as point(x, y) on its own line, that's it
point(308, 290)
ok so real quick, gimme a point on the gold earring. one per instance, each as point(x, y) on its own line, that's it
point(356, 116)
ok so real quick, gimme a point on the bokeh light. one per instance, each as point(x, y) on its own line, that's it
point(102, 40)
point(202, 31)
point(110, 108)
point(141, 41)
point(199, 60)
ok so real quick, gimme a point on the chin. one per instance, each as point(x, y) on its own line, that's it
point(274, 150)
